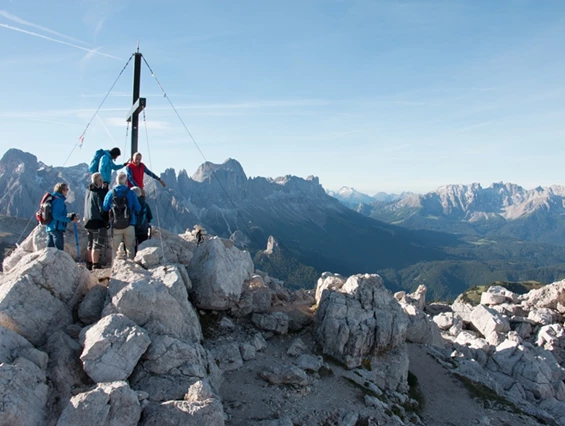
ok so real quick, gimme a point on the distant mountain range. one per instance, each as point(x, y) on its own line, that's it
point(314, 228)
point(352, 198)
point(502, 209)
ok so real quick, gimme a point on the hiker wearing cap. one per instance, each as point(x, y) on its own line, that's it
point(107, 165)
point(123, 207)
point(136, 170)
point(96, 220)
point(56, 228)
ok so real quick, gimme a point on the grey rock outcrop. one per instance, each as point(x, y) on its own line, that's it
point(200, 406)
point(328, 281)
point(23, 388)
point(65, 372)
point(218, 271)
point(360, 320)
point(108, 404)
point(255, 296)
point(112, 348)
point(170, 366)
point(487, 321)
point(90, 309)
point(277, 322)
point(38, 295)
point(156, 300)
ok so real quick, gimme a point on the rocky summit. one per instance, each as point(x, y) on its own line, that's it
point(191, 334)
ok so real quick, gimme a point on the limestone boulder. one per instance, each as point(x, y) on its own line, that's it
point(277, 322)
point(208, 412)
point(23, 388)
point(543, 316)
point(156, 300)
point(38, 295)
point(471, 340)
point(463, 309)
point(487, 320)
point(23, 393)
point(497, 295)
point(287, 374)
point(549, 296)
point(255, 297)
point(170, 249)
point(90, 309)
point(227, 356)
point(149, 257)
point(418, 297)
point(445, 320)
point(218, 271)
point(170, 366)
point(14, 346)
point(64, 370)
point(112, 348)
point(360, 320)
point(552, 338)
point(248, 351)
point(328, 281)
point(421, 328)
point(108, 404)
point(310, 363)
point(37, 241)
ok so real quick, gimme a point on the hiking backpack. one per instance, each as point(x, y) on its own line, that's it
point(95, 163)
point(142, 225)
point(45, 213)
point(120, 213)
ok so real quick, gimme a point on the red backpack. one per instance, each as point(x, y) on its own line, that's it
point(45, 213)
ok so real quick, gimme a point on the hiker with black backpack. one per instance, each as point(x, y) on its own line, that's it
point(104, 162)
point(123, 207)
point(53, 214)
point(96, 220)
point(144, 218)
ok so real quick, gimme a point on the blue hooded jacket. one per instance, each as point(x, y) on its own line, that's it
point(59, 211)
point(133, 204)
point(107, 165)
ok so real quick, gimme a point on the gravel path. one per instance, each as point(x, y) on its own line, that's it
point(447, 401)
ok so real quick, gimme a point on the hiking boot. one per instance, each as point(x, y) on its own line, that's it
point(97, 266)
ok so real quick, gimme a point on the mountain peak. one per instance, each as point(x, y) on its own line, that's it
point(16, 161)
point(230, 166)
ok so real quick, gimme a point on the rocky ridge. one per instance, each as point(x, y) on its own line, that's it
point(193, 335)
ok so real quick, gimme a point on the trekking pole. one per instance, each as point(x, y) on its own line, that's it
point(76, 241)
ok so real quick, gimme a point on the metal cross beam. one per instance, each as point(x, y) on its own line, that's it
point(138, 103)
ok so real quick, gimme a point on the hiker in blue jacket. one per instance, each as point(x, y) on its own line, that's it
point(122, 220)
point(57, 227)
point(107, 165)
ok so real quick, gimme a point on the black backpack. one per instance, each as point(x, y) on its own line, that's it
point(45, 213)
point(120, 213)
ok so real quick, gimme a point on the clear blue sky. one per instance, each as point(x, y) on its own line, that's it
point(378, 95)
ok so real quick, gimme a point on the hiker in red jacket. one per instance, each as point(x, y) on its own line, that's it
point(136, 170)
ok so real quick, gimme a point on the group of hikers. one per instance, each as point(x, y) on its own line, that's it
point(121, 209)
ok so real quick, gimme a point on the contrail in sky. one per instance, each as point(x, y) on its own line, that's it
point(18, 20)
point(59, 41)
